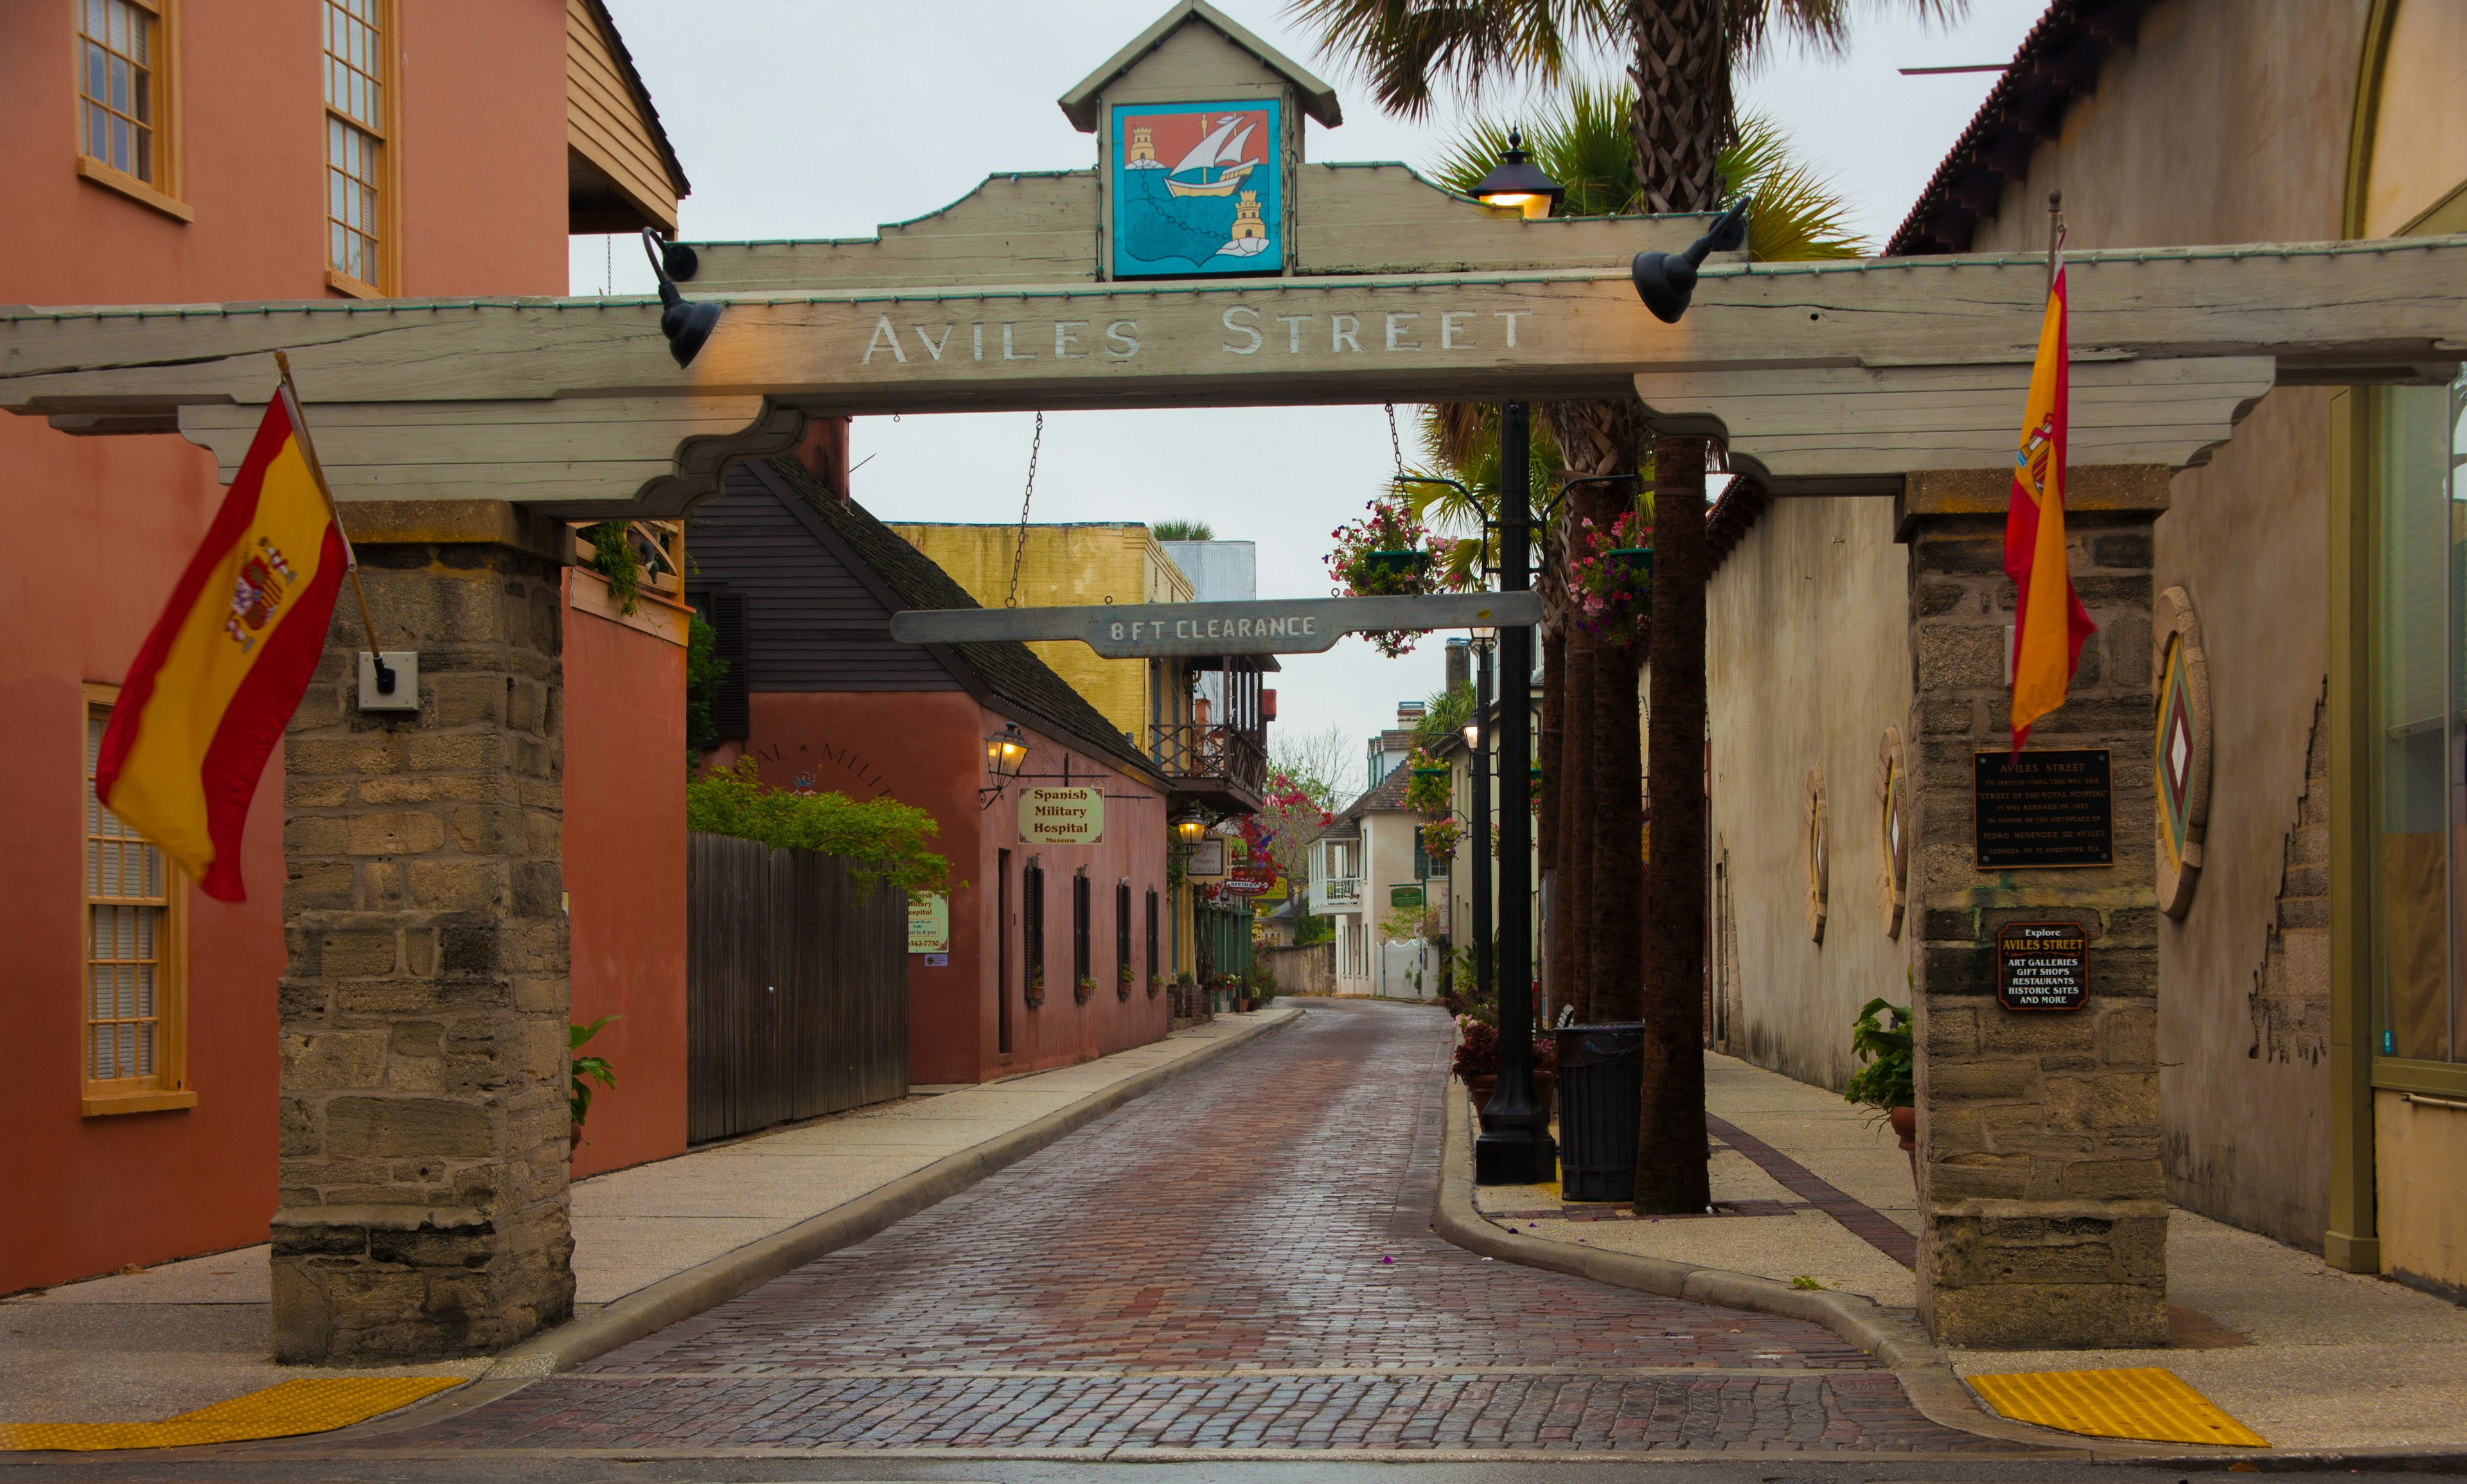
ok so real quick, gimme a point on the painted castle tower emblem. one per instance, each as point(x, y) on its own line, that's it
point(1197, 189)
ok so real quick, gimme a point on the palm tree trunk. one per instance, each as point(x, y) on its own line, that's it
point(1619, 830)
point(1574, 799)
point(1684, 113)
point(1671, 1152)
point(1558, 977)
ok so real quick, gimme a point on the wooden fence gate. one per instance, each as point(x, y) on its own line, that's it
point(796, 987)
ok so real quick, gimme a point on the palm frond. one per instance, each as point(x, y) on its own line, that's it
point(1404, 50)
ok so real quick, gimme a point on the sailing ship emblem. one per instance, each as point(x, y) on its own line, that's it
point(1217, 165)
point(1196, 188)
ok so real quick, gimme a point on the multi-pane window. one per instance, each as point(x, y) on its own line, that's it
point(119, 47)
point(1123, 934)
point(355, 140)
point(133, 942)
point(2421, 469)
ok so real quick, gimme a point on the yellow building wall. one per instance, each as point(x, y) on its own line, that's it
point(1066, 565)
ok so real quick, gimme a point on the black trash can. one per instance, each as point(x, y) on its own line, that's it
point(1601, 1079)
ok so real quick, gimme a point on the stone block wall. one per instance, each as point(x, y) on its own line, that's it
point(423, 1201)
point(2044, 1218)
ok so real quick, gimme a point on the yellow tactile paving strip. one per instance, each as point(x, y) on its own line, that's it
point(281, 1411)
point(2148, 1402)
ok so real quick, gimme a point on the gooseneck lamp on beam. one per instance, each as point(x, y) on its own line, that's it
point(1517, 182)
point(686, 323)
point(1667, 280)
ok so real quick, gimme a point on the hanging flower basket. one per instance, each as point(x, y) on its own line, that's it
point(1610, 579)
point(1442, 837)
point(1386, 553)
point(1426, 789)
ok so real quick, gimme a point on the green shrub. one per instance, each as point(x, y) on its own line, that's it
point(1886, 1080)
point(884, 838)
point(705, 669)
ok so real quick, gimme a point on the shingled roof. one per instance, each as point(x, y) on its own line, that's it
point(2058, 62)
point(1005, 669)
point(1387, 794)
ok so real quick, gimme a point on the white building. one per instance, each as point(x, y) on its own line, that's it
point(1368, 868)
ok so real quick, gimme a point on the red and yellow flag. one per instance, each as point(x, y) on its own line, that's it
point(2048, 622)
point(226, 664)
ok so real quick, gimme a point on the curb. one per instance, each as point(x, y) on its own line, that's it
point(708, 1285)
point(1893, 1336)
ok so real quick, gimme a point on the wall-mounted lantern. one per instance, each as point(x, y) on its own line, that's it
point(1189, 829)
point(1005, 752)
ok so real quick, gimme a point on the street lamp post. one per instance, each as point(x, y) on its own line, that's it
point(1515, 1147)
point(1477, 772)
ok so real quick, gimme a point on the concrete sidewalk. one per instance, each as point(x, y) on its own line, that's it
point(140, 1346)
point(1809, 1187)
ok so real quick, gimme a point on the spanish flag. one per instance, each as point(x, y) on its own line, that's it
point(2048, 622)
point(224, 668)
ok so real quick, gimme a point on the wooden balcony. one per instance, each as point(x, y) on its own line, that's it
point(1220, 766)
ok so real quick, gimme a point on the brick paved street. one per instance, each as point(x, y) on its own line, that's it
point(1241, 1260)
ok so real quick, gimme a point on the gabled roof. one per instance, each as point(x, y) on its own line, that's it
point(1005, 674)
point(1079, 105)
point(625, 60)
point(2057, 62)
point(1387, 797)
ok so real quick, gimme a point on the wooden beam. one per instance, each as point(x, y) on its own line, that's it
point(1120, 631)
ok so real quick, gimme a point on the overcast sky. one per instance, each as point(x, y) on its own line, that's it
point(797, 119)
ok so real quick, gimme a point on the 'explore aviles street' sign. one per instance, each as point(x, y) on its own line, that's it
point(1140, 630)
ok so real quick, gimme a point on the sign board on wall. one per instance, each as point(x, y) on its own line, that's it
point(2043, 809)
point(1206, 860)
point(1408, 899)
point(929, 924)
point(2042, 966)
point(1061, 816)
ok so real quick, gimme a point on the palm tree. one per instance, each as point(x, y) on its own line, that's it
point(1682, 56)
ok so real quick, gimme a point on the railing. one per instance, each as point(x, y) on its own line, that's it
point(1346, 890)
point(1190, 751)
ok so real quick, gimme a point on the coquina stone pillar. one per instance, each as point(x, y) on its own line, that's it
point(424, 1207)
point(2043, 1208)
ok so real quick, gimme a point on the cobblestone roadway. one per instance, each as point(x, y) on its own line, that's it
point(1240, 1260)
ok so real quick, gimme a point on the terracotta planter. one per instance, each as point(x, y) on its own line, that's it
point(574, 1142)
point(1483, 1086)
point(1906, 1125)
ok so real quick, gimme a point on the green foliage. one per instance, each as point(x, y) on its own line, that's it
point(1182, 530)
point(1580, 138)
point(1886, 1080)
point(1804, 1281)
point(586, 1069)
point(1310, 930)
point(884, 837)
point(1444, 717)
point(1427, 790)
point(705, 669)
point(613, 559)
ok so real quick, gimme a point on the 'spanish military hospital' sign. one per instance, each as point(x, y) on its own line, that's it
point(1134, 631)
point(1062, 815)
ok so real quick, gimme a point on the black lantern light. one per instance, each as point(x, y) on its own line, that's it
point(1191, 829)
point(1006, 751)
point(1667, 280)
point(1517, 182)
point(686, 323)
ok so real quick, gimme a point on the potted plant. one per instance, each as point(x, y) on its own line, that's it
point(1085, 990)
point(1123, 983)
point(1156, 981)
point(1385, 555)
point(585, 1071)
point(1880, 1038)
point(1610, 579)
point(1035, 985)
point(1476, 1061)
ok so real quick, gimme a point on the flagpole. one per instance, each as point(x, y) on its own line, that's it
point(350, 559)
point(2055, 235)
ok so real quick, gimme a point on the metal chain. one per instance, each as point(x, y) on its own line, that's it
point(1019, 553)
point(1394, 446)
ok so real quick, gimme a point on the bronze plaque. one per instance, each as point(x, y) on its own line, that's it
point(2042, 809)
point(2042, 966)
